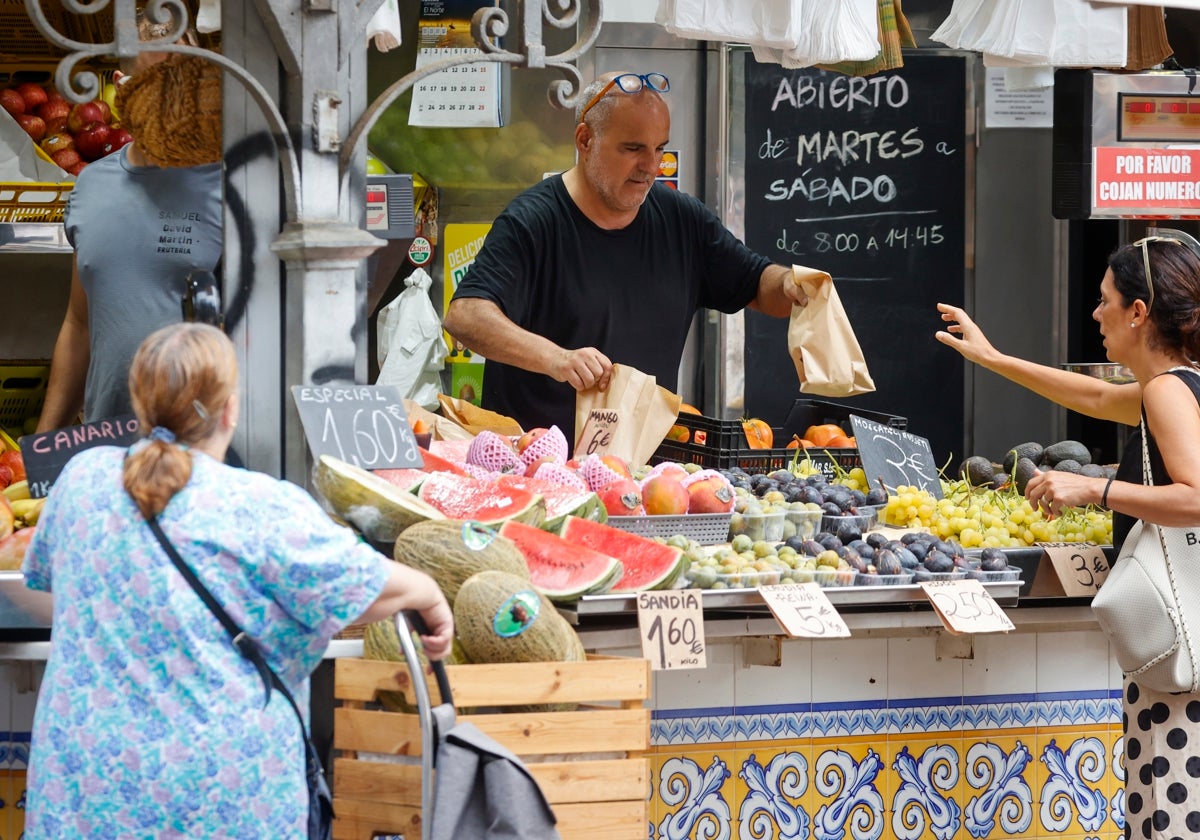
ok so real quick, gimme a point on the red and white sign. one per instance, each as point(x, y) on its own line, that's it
point(1166, 179)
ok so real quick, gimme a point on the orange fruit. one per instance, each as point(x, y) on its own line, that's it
point(821, 433)
point(758, 434)
point(684, 408)
point(839, 442)
point(679, 433)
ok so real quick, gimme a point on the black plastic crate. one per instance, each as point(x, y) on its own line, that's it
point(721, 444)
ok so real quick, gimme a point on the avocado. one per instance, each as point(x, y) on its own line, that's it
point(1070, 465)
point(977, 470)
point(1024, 471)
point(1000, 480)
point(1092, 471)
point(1066, 449)
point(1032, 451)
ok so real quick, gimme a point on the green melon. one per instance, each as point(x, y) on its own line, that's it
point(451, 550)
point(381, 642)
point(379, 510)
point(502, 618)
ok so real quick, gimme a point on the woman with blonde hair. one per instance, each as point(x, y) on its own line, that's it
point(150, 723)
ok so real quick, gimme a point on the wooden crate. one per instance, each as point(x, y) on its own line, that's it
point(593, 799)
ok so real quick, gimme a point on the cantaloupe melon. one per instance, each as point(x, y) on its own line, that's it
point(501, 618)
point(382, 642)
point(451, 550)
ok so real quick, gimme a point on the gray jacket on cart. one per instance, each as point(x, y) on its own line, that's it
point(484, 791)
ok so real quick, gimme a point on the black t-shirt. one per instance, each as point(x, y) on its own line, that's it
point(1130, 468)
point(631, 293)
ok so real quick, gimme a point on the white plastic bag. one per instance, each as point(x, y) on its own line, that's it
point(409, 342)
point(1039, 33)
point(835, 31)
point(763, 23)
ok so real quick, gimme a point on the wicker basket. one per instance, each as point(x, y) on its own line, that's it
point(593, 799)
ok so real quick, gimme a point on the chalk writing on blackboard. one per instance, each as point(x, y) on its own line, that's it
point(895, 457)
point(364, 425)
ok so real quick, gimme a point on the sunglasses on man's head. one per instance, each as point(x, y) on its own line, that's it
point(629, 83)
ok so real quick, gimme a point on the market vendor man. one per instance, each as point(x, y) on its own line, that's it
point(602, 264)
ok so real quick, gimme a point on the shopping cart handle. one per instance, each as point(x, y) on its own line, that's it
point(416, 622)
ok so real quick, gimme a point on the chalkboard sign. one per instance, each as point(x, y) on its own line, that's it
point(895, 457)
point(864, 178)
point(363, 425)
point(46, 454)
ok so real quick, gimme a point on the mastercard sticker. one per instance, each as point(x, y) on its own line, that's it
point(669, 166)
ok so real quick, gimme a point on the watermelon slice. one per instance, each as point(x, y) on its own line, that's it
point(405, 479)
point(562, 571)
point(648, 564)
point(462, 497)
point(436, 463)
point(561, 501)
point(451, 450)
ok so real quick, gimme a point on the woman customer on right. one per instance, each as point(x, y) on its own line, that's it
point(1149, 316)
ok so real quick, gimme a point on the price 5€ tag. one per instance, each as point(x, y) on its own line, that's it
point(672, 628)
point(964, 606)
point(803, 610)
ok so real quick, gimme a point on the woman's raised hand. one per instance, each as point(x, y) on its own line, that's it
point(964, 335)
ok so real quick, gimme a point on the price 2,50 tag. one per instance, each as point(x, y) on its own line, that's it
point(803, 610)
point(672, 629)
point(966, 607)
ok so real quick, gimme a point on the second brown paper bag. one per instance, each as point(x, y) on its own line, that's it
point(646, 412)
point(821, 341)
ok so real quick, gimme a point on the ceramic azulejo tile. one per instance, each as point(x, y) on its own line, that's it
point(775, 791)
point(925, 787)
point(1072, 794)
point(693, 794)
point(849, 787)
point(999, 797)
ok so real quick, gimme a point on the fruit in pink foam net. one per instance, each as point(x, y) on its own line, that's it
point(541, 443)
point(494, 452)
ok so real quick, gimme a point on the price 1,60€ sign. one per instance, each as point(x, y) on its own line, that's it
point(363, 425)
point(671, 625)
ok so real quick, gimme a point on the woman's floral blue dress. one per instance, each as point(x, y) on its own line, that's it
point(149, 724)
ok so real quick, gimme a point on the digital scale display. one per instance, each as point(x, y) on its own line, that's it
point(1158, 118)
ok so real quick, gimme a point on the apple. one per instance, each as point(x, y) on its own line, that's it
point(34, 126)
point(60, 142)
point(84, 114)
point(118, 138)
point(105, 110)
point(12, 102)
point(33, 94)
point(58, 125)
point(77, 168)
point(66, 158)
point(91, 140)
point(53, 109)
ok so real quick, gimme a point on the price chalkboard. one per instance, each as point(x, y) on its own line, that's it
point(47, 453)
point(363, 425)
point(671, 625)
point(864, 178)
point(895, 457)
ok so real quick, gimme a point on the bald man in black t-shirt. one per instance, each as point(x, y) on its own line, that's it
point(602, 265)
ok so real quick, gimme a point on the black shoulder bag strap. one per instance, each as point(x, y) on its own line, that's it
point(244, 644)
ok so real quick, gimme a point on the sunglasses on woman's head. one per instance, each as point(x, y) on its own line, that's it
point(1175, 237)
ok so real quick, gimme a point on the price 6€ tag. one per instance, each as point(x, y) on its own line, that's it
point(803, 610)
point(672, 629)
point(598, 432)
point(964, 606)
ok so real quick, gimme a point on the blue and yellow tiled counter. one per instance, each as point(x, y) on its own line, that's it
point(893, 735)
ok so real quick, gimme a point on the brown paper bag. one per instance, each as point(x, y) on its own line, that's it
point(475, 419)
point(828, 359)
point(644, 412)
point(441, 428)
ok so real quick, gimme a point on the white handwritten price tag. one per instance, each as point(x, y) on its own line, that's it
point(803, 610)
point(1080, 567)
point(599, 431)
point(672, 629)
point(964, 606)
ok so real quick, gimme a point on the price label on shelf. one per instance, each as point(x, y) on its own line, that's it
point(1080, 567)
point(964, 606)
point(671, 625)
point(363, 425)
point(803, 610)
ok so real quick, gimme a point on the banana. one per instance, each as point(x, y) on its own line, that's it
point(8, 441)
point(27, 510)
point(17, 491)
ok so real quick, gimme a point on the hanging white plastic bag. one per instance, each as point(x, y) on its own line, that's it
point(836, 30)
point(1057, 33)
point(409, 342)
point(764, 23)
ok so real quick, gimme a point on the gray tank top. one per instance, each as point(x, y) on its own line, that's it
point(138, 232)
